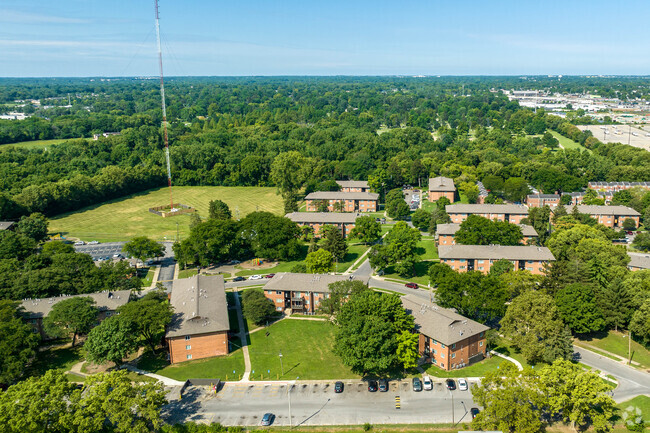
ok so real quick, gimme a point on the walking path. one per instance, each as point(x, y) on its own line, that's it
point(164, 379)
point(514, 361)
point(242, 338)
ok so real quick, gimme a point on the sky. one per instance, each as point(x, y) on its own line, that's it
point(69, 38)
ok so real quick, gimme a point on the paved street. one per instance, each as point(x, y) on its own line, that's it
point(317, 404)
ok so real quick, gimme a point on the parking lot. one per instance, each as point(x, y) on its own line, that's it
point(316, 403)
point(637, 137)
point(413, 198)
point(104, 250)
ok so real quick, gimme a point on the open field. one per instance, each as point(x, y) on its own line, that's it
point(124, 218)
point(617, 343)
point(642, 402)
point(37, 144)
point(620, 134)
point(567, 143)
point(306, 348)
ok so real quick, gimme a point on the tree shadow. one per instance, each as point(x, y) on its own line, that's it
point(184, 409)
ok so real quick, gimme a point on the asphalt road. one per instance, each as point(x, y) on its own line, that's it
point(631, 382)
point(317, 404)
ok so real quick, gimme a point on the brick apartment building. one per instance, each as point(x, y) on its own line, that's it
point(513, 213)
point(301, 293)
point(577, 197)
point(351, 201)
point(445, 233)
point(316, 220)
point(638, 262)
point(107, 302)
point(541, 200)
point(616, 186)
point(610, 216)
point(199, 326)
point(442, 187)
point(353, 185)
point(463, 258)
point(446, 339)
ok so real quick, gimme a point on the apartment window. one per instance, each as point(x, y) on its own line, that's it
point(188, 347)
point(442, 364)
point(434, 351)
point(189, 356)
point(278, 292)
point(529, 269)
point(481, 261)
point(462, 260)
point(442, 355)
point(453, 346)
point(34, 330)
point(187, 337)
point(480, 268)
point(442, 345)
point(481, 334)
point(480, 344)
point(462, 267)
point(279, 309)
point(278, 300)
point(306, 302)
point(32, 321)
point(453, 355)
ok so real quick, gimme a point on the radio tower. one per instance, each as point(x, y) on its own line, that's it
point(164, 110)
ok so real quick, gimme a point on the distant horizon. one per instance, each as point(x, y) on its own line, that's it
point(157, 77)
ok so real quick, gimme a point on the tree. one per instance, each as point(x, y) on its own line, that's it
point(319, 262)
point(333, 241)
point(15, 245)
point(629, 224)
point(288, 172)
point(516, 189)
point(219, 210)
point(640, 323)
point(33, 226)
point(538, 217)
point(256, 307)
point(473, 294)
point(550, 141)
point(212, 241)
point(396, 206)
point(270, 236)
point(421, 219)
point(151, 316)
point(591, 197)
point(532, 321)
point(143, 248)
point(501, 267)
point(578, 308)
point(366, 229)
point(477, 230)
point(112, 341)
point(616, 304)
point(438, 216)
point(71, 316)
point(56, 247)
point(322, 205)
point(338, 294)
point(17, 342)
point(399, 250)
point(642, 241)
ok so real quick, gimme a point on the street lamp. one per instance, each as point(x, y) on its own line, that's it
point(452, 406)
point(289, 394)
point(281, 367)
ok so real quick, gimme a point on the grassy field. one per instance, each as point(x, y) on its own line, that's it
point(642, 402)
point(124, 218)
point(617, 343)
point(567, 143)
point(219, 367)
point(306, 348)
point(476, 370)
point(36, 144)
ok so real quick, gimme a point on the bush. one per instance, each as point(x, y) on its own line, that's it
point(256, 306)
point(367, 427)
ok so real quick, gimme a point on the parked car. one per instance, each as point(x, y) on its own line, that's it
point(451, 385)
point(339, 387)
point(239, 279)
point(255, 277)
point(79, 243)
point(417, 384)
point(117, 256)
point(234, 262)
point(428, 385)
point(462, 385)
point(372, 386)
point(269, 276)
point(383, 385)
point(93, 242)
point(474, 411)
point(411, 285)
point(268, 419)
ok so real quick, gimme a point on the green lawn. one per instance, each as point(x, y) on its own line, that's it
point(354, 252)
point(124, 218)
point(59, 358)
point(37, 144)
point(147, 278)
point(567, 143)
point(219, 367)
point(306, 348)
point(427, 250)
point(421, 277)
point(476, 370)
point(186, 273)
point(617, 343)
point(642, 402)
point(505, 347)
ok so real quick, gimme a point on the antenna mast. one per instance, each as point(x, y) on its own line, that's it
point(164, 110)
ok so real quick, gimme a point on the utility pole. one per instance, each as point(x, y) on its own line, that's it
point(629, 348)
point(281, 367)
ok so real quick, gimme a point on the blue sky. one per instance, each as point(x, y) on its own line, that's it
point(287, 37)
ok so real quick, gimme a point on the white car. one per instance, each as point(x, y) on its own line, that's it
point(255, 277)
point(93, 242)
point(462, 385)
point(426, 383)
point(79, 243)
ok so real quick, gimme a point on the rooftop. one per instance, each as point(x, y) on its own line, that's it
point(495, 252)
point(441, 183)
point(339, 195)
point(200, 306)
point(487, 208)
point(104, 301)
point(4, 225)
point(353, 183)
point(440, 323)
point(639, 260)
point(604, 210)
point(318, 283)
point(451, 229)
point(323, 217)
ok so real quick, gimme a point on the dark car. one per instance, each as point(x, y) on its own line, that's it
point(451, 385)
point(372, 386)
point(268, 419)
point(417, 384)
point(239, 279)
point(338, 387)
point(411, 285)
point(474, 411)
point(269, 276)
point(383, 385)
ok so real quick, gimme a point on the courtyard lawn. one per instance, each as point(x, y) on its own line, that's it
point(642, 402)
point(567, 143)
point(426, 249)
point(306, 348)
point(124, 218)
point(219, 367)
point(55, 358)
point(147, 278)
point(186, 273)
point(421, 276)
point(354, 252)
point(476, 370)
point(36, 144)
point(617, 343)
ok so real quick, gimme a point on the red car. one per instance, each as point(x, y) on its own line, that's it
point(411, 285)
point(269, 276)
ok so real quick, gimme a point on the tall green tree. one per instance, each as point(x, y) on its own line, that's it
point(288, 172)
point(640, 323)
point(17, 342)
point(256, 307)
point(143, 248)
point(616, 303)
point(71, 316)
point(421, 219)
point(33, 226)
point(338, 294)
point(112, 341)
point(270, 236)
point(516, 189)
point(219, 210)
point(578, 308)
point(366, 229)
point(477, 230)
point(319, 262)
point(151, 315)
point(332, 240)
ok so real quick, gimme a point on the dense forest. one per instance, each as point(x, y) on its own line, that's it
point(229, 131)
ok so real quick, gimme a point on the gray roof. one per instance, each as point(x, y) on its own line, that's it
point(200, 306)
point(323, 217)
point(639, 260)
point(604, 210)
point(4, 225)
point(339, 195)
point(318, 283)
point(452, 228)
point(104, 301)
point(495, 252)
point(487, 208)
point(441, 183)
point(440, 323)
point(353, 183)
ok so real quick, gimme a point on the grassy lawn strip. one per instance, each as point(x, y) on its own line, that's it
point(421, 277)
point(124, 218)
point(642, 402)
point(187, 273)
point(390, 292)
point(426, 249)
point(617, 343)
point(306, 348)
point(148, 278)
point(38, 144)
point(354, 252)
point(476, 370)
point(567, 143)
point(219, 367)
point(600, 352)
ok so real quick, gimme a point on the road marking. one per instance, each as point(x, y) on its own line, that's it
point(398, 402)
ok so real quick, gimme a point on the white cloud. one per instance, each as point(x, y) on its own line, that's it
point(16, 17)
